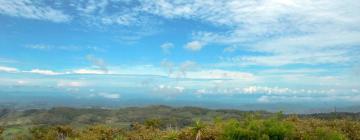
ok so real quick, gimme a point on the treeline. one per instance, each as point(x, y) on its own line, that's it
point(252, 127)
point(182, 116)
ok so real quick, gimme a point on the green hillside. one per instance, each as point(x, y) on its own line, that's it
point(168, 123)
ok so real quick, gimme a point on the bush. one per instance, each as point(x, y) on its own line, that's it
point(100, 132)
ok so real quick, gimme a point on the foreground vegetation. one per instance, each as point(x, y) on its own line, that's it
point(223, 126)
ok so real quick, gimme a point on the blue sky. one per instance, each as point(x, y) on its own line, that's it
point(238, 51)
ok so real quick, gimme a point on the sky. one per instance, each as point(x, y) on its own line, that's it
point(228, 51)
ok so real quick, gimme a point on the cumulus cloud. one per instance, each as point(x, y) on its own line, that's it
point(194, 46)
point(32, 10)
point(166, 47)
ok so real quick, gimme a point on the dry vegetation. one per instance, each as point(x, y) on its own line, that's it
point(252, 126)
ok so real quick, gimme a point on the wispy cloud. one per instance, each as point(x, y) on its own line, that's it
point(306, 99)
point(97, 63)
point(48, 47)
point(168, 65)
point(274, 91)
point(32, 10)
point(8, 69)
point(220, 74)
point(283, 29)
point(33, 71)
point(7, 60)
point(44, 72)
point(92, 6)
point(166, 47)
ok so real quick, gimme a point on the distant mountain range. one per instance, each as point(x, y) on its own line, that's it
point(179, 116)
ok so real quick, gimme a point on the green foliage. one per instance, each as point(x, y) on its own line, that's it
point(250, 128)
point(100, 132)
point(328, 134)
point(171, 135)
point(225, 125)
point(153, 123)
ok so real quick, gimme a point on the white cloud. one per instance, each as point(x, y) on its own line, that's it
point(89, 71)
point(109, 95)
point(302, 99)
point(194, 46)
point(51, 72)
point(21, 82)
point(266, 90)
point(279, 28)
point(127, 19)
point(187, 66)
point(287, 99)
point(91, 6)
point(166, 47)
point(8, 69)
point(32, 10)
point(180, 70)
point(264, 99)
point(74, 84)
point(168, 90)
point(228, 89)
point(220, 74)
point(44, 72)
point(329, 48)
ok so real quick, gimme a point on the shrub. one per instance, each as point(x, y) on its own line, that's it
point(100, 132)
